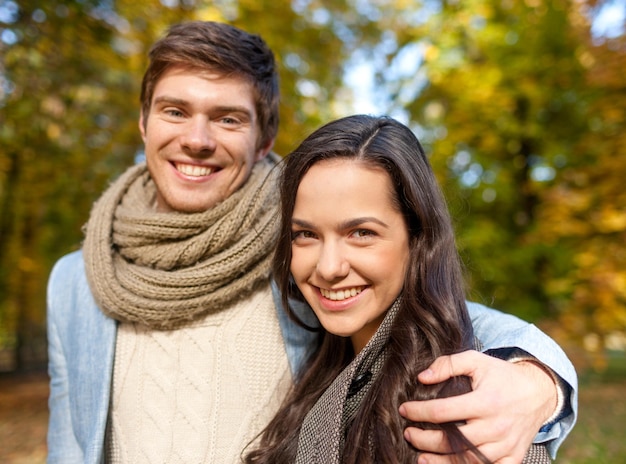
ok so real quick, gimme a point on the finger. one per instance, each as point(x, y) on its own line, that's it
point(491, 452)
point(492, 438)
point(431, 441)
point(449, 459)
point(434, 459)
point(480, 434)
point(433, 444)
point(470, 458)
point(451, 409)
point(453, 365)
point(434, 441)
point(500, 452)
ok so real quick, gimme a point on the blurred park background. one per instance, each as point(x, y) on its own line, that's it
point(521, 105)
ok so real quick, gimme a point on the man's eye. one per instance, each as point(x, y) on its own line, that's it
point(174, 113)
point(230, 121)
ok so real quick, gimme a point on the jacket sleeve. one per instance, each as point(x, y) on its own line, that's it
point(500, 332)
point(63, 446)
point(299, 342)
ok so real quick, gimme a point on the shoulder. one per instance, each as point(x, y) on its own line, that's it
point(67, 277)
point(481, 314)
point(68, 289)
point(68, 266)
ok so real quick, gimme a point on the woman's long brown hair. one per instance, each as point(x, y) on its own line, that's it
point(432, 320)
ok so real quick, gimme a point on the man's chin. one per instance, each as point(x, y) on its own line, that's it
point(178, 205)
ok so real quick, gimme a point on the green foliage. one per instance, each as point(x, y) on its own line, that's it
point(507, 86)
point(524, 114)
point(57, 148)
point(69, 85)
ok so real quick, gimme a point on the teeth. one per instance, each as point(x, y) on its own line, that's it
point(193, 170)
point(341, 294)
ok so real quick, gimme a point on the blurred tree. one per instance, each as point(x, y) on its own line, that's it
point(69, 84)
point(523, 111)
point(586, 210)
point(521, 108)
point(507, 90)
point(59, 114)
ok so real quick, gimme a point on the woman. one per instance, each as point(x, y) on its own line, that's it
point(367, 240)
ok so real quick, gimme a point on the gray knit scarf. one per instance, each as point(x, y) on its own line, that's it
point(164, 269)
point(321, 439)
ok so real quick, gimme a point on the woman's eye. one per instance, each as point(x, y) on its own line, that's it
point(360, 233)
point(301, 234)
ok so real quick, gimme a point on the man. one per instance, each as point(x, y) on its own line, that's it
point(165, 342)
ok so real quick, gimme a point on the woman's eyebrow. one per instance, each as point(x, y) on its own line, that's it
point(348, 224)
point(301, 223)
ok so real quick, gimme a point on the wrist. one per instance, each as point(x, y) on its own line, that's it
point(555, 406)
point(549, 385)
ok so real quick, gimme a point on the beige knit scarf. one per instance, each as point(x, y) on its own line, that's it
point(162, 269)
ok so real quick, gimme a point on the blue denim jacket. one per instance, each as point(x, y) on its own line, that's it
point(82, 347)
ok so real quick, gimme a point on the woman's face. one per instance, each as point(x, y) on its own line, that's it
point(350, 246)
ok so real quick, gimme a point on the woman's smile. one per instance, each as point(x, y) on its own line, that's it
point(344, 294)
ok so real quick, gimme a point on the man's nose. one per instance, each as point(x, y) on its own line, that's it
point(199, 137)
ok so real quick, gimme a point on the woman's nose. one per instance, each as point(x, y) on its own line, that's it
point(332, 264)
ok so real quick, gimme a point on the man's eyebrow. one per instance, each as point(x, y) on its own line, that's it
point(233, 109)
point(241, 110)
point(219, 109)
point(172, 100)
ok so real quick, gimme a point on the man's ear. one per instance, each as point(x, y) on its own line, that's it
point(142, 125)
point(264, 150)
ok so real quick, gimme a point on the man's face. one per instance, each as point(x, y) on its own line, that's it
point(201, 138)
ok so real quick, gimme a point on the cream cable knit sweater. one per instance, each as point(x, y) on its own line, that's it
point(200, 393)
